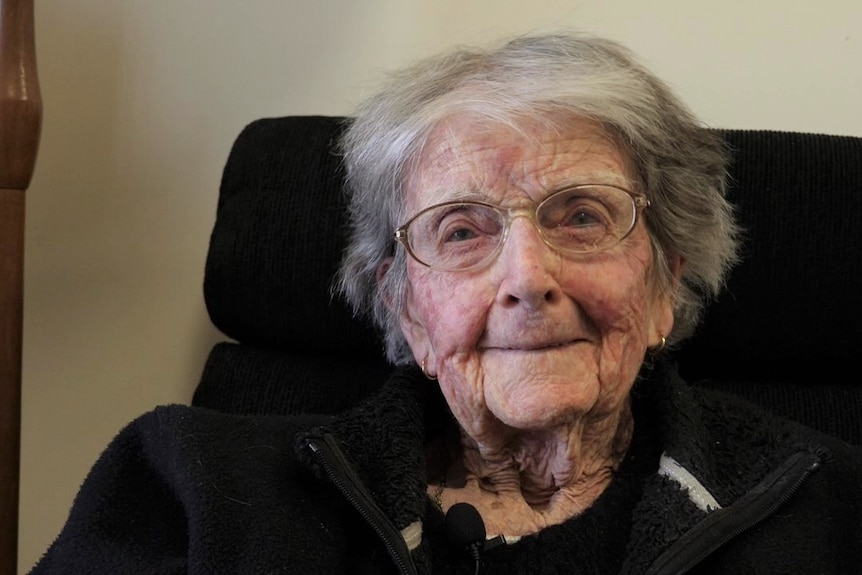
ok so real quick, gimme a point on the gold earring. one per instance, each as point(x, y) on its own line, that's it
point(425, 372)
point(660, 347)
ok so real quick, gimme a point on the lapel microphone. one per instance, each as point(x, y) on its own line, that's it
point(465, 528)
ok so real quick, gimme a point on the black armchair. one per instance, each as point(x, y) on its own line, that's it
point(785, 333)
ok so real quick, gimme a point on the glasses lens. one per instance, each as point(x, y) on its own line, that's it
point(587, 218)
point(457, 235)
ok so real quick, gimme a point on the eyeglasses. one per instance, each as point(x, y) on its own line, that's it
point(465, 236)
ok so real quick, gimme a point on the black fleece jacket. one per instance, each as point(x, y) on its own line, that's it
point(710, 485)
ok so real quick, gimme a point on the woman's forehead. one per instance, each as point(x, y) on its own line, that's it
point(465, 159)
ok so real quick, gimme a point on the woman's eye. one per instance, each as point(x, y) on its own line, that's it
point(577, 215)
point(462, 228)
point(583, 217)
point(467, 223)
point(459, 235)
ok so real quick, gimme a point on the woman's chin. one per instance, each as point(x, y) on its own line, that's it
point(543, 405)
point(540, 390)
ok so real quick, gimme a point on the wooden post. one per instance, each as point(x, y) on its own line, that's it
point(20, 130)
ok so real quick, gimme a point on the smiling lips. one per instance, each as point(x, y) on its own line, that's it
point(538, 346)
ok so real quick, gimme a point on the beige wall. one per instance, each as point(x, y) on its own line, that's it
point(143, 100)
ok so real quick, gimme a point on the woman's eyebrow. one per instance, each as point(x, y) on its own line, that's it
point(475, 193)
point(469, 195)
point(601, 177)
point(460, 194)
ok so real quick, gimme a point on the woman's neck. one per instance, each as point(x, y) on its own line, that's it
point(535, 479)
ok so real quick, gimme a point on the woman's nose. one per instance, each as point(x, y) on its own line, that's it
point(528, 267)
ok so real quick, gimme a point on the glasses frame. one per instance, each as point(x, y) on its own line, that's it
point(401, 235)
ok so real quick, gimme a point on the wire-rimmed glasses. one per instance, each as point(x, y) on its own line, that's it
point(467, 235)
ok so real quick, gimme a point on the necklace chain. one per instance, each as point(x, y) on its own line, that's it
point(438, 495)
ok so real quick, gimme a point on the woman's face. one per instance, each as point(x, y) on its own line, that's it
point(535, 339)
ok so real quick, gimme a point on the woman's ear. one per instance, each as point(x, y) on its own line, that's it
point(662, 321)
point(675, 264)
point(415, 332)
point(382, 269)
point(411, 326)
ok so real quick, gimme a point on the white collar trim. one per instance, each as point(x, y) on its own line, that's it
point(697, 493)
point(412, 535)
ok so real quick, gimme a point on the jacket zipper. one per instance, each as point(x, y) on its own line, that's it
point(330, 457)
point(723, 525)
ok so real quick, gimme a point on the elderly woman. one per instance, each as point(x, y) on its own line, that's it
point(558, 212)
point(533, 227)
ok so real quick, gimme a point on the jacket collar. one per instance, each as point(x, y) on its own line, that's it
point(383, 440)
point(716, 449)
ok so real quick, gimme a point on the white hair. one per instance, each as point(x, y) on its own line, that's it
point(679, 163)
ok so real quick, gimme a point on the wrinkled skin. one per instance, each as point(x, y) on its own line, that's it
point(537, 353)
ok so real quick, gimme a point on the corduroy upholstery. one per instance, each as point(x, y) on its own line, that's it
point(784, 334)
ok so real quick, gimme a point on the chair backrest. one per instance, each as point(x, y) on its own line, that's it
point(784, 334)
